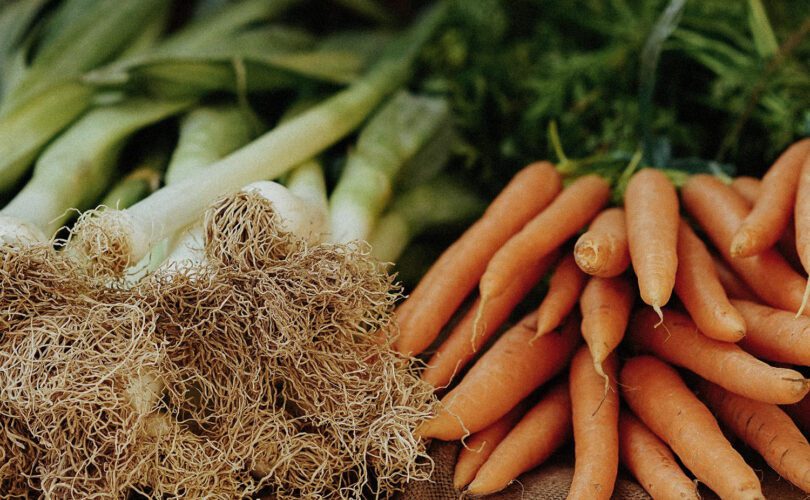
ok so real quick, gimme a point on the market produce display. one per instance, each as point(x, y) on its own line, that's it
point(283, 249)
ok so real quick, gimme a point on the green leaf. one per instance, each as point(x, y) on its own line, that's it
point(764, 39)
point(664, 27)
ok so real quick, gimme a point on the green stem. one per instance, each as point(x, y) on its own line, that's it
point(440, 202)
point(77, 168)
point(24, 132)
point(392, 137)
point(269, 156)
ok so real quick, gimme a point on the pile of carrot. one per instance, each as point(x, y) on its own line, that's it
point(692, 305)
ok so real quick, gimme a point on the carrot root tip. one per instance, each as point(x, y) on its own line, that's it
point(660, 314)
point(805, 297)
point(477, 323)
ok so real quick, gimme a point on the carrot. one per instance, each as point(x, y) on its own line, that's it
point(605, 307)
point(603, 249)
point(802, 216)
point(765, 428)
point(747, 187)
point(700, 290)
point(735, 287)
point(719, 210)
point(508, 372)
point(572, 209)
point(596, 428)
point(461, 345)
point(538, 434)
point(652, 462)
point(800, 412)
point(651, 207)
point(564, 289)
point(679, 342)
point(658, 396)
point(480, 446)
point(455, 274)
point(763, 227)
point(774, 334)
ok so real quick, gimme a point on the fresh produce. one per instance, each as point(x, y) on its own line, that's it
point(481, 445)
point(457, 272)
point(702, 293)
point(652, 462)
point(605, 305)
point(679, 342)
point(508, 372)
point(769, 217)
point(229, 322)
point(595, 415)
point(465, 340)
point(572, 209)
point(719, 210)
point(651, 205)
point(765, 428)
point(220, 348)
point(546, 426)
point(687, 426)
point(602, 250)
point(564, 288)
point(744, 334)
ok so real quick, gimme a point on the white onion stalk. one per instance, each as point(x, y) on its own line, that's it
point(297, 215)
point(403, 127)
point(117, 239)
point(76, 169)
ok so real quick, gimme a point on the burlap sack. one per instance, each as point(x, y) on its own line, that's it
point(552, 480)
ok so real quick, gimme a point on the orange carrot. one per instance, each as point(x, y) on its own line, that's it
point(802, 216)
point(461, 345)
point(564, 289)
point(596, 428)
point(679, 342)
point(603, 249)
point(455, 274)
point(701, 292)
point(765, 428)
point(774, 334)
point(735, 287)
point(605, 307)
point(656, 393)
point(747, 187)
point(508, 372)
point(480, 446)
point(571, 210)
point(652, 462)
point(800, 412)
point(651, 206)
point(766, 222)
point(719, 210)
point(538, 434)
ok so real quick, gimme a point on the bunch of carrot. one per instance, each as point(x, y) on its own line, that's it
point(654, 380)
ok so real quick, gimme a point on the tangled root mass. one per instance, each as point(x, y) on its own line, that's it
point(265, 369)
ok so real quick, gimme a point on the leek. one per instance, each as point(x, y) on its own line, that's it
point(76, 169)
point(91, 34)
point(440, 202)
point(395, 134)
point(116, 239)
point(26, 130)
